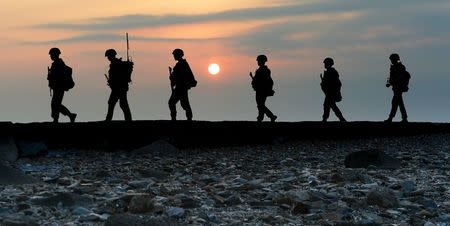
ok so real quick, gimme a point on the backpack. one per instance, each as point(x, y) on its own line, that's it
point(127, 69)
point(191, 82)
point(338, 94)
point(67, 82)
point(405, 81)
point(270, 91)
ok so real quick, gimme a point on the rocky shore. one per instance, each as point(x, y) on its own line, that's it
point(287, 182)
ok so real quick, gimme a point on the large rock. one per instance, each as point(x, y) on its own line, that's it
point(382, 197)
point(175, 212)
point(8, 149)
point(141, 204)
point(301, 208)
point(363, 159)
point(159, 146)
point(11, 176)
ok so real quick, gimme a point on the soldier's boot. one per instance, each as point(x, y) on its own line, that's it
point(72, 117)
point(128, 117)
point(260, 116)
point(189, 114)
point(110, 113)
point(173, 109)
point(341, 118)
point(127, 113)
point(273, 118)
point(388, 120)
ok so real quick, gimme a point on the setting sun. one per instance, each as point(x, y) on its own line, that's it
point(213, 69)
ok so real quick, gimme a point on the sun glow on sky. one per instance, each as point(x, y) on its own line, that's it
point(213, 69)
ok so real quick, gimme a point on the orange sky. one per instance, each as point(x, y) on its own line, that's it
point(295, 34)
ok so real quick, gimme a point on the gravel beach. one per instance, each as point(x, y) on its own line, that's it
point(285, 183)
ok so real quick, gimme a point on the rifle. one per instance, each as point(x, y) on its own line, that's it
point(107, 79)
point(129, 60)
point(50, 89)
point(253, 78)
point(128, 48)
point(170, 74)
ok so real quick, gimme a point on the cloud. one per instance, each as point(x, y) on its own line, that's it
point(108, 37)
point(378, 27)
point(343, 25)
point(260, 13)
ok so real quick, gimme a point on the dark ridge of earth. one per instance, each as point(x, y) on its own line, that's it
point(183, 134)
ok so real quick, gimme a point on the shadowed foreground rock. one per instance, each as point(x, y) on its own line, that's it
point(364, 159)
point(10, 176)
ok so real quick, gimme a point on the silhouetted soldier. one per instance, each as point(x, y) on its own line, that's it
point(399, 80)
point(331, 87)
point(262, 83)
point(181, 80)
point(59, 80)
point(118, 82)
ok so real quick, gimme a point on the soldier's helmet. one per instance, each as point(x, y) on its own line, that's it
point(178, 52)
point(54, 51)
point(261, 58)
point(329, 61)
point(110, 52)
point(394, 57)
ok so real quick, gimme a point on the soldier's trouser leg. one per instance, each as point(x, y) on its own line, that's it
point(184, 101)
point(326, 108)
point(113, 98)
point(125, 107)
point(397, 101)
point(336, 111)
point(57, 106)
point(173, 100)
point(262, 108)
point(401, 104)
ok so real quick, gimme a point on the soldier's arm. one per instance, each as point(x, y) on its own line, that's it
point(48, 73)
point(393, 78)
